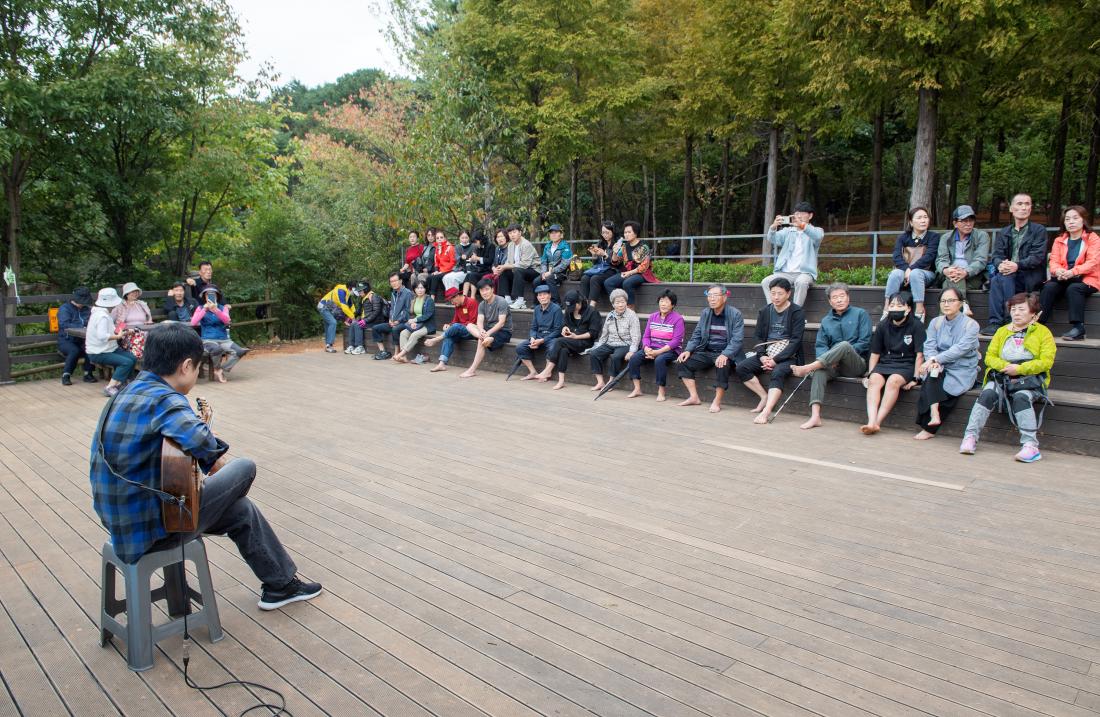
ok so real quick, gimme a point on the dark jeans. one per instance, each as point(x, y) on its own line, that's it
point(380, 331)
point(1076, 292)
point(226, 510)
point(120, 359)
point(1002, 288)
point(591, 286)
point(701, 360)
point(435, 283)
point(629, 285)
point(524, 350)
point(660, 365)
point(73, 351)
point(513, 282)
point(599, 356)
point(752, 366)
point(560, 349)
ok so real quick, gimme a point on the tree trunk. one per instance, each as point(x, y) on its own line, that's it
point(645, 198)
point(573, 170)
point(725, 189)
point(757, 193)
point(15, 172)
point(975, 170)
point(792, 178)
point(685, 209)
point(653, 213)
point(1054, 215)
point(769, 192)
point(876, 169)
point(956, 172)
point(804, 168)
point(924, 156)
point(995, 209)
point(1094, 154)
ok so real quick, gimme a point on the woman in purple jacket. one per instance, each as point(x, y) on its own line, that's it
point(661, 342)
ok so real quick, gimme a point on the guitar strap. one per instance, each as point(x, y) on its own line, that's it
point(162, 495)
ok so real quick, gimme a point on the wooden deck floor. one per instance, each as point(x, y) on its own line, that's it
point(500, 548)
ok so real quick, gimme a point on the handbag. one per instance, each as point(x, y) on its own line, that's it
point(576, 269)
point(133, 340)
point(1012, 384)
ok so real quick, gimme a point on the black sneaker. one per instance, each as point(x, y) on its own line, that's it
point(382, 355)
point(66, 380)
point(989, 330)
point(90, 378)
point(1075, 334)
point(294, 591)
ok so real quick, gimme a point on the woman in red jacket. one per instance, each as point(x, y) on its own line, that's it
point(412, 253)
point(444, 263)
point(1074, 270)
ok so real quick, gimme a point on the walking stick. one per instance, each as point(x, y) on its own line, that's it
point(790, 396)
point(612, 383)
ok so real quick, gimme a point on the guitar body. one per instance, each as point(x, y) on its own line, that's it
point(181, 476)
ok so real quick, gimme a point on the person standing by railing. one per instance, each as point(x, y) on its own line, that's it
point(798, 243)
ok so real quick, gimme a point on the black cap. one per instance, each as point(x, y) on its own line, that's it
point(82, 296)
point(804, 207)
point(555, 228)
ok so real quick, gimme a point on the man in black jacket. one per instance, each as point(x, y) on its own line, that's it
point(178, 305)
point(1019, 261)
point(779, 328)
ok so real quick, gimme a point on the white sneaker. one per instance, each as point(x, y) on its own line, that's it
point(349, 350)
point(966, 309)
point(509, 300)
point(519, 304)
point(359, 351)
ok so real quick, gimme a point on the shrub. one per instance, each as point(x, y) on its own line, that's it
point(710, 272)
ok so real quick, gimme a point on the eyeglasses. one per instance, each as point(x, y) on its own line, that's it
point(949, 301)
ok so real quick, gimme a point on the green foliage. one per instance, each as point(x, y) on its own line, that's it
point(712, 272)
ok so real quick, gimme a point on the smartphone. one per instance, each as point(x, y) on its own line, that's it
point(784, 220)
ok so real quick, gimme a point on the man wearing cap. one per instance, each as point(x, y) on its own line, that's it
point(963, 255)
point(546, 323)
point(74, 314)
point(1019, 260)
point(458, 330)
point(178, 305)
point(101, 341)
point(520, 266)
point(212, 319)
point(798, 244)
point(555, 262)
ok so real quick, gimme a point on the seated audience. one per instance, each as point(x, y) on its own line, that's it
point(914, 260)
point(1074, 271)
point(716, 342)
point(337, 306)
point(1019, 258)
point(1017, 374)
point(102, 344)
point(369, 310)
point(897, 349)
point(212, 318)
point(424, 264)
point(554, 264)
point(493, 329)
point(619, 339)
point(546, 323)
point(421, 323)
point(133, 313)
point(963, 255)
point(636, 263)
point(478, 264)
point(74, 314)
point(465, 317)
point(950, 363)
point(412, 253)
point(842, 347)
point(178, 305)
point(593, 278)
point(465, 250)
point(779, 328)
point(196, 284)
point(400, 303)
point(520, 266)
point(582, 328)
point(798, 243)
point(661, 342)
point(445, 260)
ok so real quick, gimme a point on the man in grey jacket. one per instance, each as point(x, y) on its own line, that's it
point(717, 342)
point(520, 266)
point(963, 255)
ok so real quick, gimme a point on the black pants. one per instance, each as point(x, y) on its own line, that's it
point(701, 360)
point(1002, 288)
point(435, 284)
point(1076, 292)
point(592, 286)
point(513, 282)
point(599, 356)
point(931, 391)
point(560, 349)
point(753, 366)
point(73, 352)
point(660, 365)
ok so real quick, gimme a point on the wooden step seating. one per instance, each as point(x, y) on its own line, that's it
point(1071, 425)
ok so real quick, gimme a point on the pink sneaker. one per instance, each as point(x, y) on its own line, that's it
point(968, 446)
point(1029, 454)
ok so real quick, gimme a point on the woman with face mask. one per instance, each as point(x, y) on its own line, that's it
point(1018, 363)
point(897, 348)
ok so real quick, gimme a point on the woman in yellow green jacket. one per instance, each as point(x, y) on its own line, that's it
point(1018, 363)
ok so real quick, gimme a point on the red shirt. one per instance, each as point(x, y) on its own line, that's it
point(413, 253)
point(467, 312)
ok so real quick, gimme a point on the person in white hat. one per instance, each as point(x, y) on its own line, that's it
point(101, 341)
point(133, 312)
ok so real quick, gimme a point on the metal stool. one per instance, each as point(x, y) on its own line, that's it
point(139, 632)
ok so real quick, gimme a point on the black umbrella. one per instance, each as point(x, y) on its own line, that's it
point(612, 383)
point(515, 367)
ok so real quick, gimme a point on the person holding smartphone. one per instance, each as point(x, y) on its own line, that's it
point(798, 242)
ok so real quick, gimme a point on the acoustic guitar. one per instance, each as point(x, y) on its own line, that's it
point(181, 475)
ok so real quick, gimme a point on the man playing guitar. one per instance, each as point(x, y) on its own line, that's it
point(126, 461)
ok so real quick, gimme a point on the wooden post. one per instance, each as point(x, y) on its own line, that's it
point(5, 358)
point(270, 313)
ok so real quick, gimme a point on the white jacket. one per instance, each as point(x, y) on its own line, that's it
point(100, 327)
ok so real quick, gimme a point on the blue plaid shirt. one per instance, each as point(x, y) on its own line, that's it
point(140, 416)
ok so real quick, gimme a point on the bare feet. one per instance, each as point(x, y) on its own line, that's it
point(661, 394)
point(439, 367)
point(400, 359)
point(689, 402)
point(530, 377)
point(559, 385)
point(597, 387)
point(869, 430)
point(934, 412)
point(715, 406)
point(635, 393)
point(759, 407)
point(811, 423)
point(467, 374)
point(924, 436)
point(433, 340)
point(761, 420)
point(800, 371)
point(541, 379)
point(220, 375)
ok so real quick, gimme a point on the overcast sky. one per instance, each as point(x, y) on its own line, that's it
point(315, 41)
